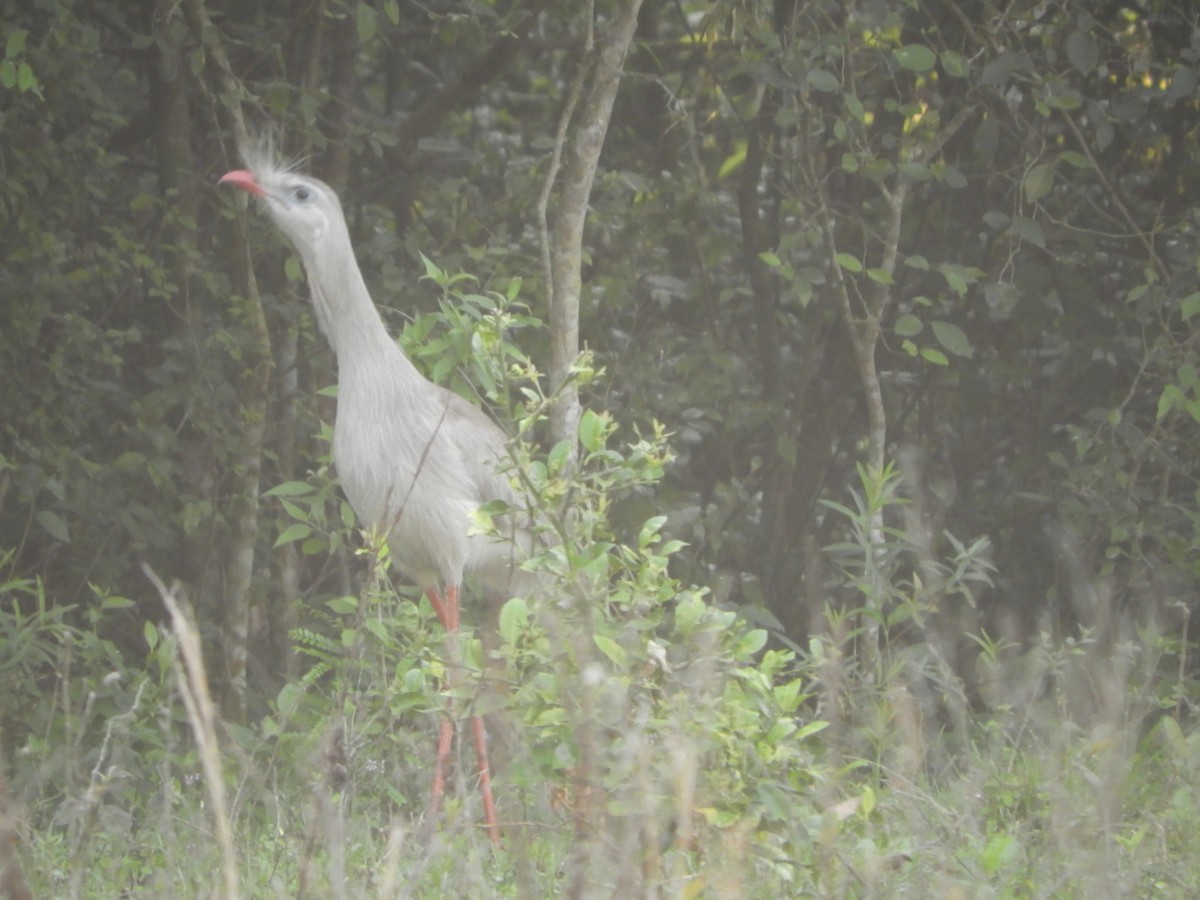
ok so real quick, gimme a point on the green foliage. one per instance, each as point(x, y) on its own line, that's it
point(893, 570)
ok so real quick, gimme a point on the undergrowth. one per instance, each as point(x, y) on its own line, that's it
point(647, 741)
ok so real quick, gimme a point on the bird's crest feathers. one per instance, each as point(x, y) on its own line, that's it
point(259, 155)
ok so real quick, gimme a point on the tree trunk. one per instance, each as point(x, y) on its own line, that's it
point(564, 253)
point(245, 308)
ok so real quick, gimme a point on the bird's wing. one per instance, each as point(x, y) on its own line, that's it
point(483, 444)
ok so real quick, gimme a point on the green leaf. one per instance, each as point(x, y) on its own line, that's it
point(592, 427)
point(1182, 87)
point(1190, 305)
point(25, 78)
point(868, 801)
point(367, 21)
point(1038, 182)
point(916, 57)
point(1029, 230)
point(288, 698)
point(787, 696)
point(1063, 97)
point(883, 276)
point(733, 162)
point(688, 613)
point(295, 532)
point(752, 642)
point(778, 805)
point(810, 729)
point(514, 288)
point(293, 269)
point(54, 524)
point(908, 325)
point(290, 489)
point(849, 262)
point(612, 650)
point(1082, 51)
point(959, 277)
point(820, 80)
point(952, 338)
point(954, 64)
point(1000, 69)
point(915, 171)
point(932, 355)
point(1170, 398)
point(953, 177)
point(432, 272)
point(343, 606)
point(1076, 159)
point(650, 529)
point(378, 628)
point(770, 259)
point(514, 617)
point(781, 730)
point(855, 107)
point(150, 634)
point(557, 458)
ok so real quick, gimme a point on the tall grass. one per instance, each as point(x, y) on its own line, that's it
point(708, 765)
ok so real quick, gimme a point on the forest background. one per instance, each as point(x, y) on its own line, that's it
point(884, 508)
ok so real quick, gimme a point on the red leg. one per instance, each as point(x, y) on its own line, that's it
point(446, 607)
point(445, 737)
point(485, 779)
point(439, 606)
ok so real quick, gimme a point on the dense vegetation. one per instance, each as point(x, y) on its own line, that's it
point(880, 554)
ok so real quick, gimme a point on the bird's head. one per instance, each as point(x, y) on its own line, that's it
point(305, 209)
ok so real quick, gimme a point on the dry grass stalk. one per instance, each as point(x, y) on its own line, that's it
point(190, 674)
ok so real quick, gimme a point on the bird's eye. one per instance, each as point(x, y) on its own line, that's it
point(303, 194)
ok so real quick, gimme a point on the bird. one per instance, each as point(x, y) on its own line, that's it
point(414, 459)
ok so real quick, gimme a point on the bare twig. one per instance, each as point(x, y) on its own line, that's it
point(1113, 191)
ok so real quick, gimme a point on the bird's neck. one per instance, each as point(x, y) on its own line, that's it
point(345, 311)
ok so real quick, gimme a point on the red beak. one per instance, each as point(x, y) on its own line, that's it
point(245, 180)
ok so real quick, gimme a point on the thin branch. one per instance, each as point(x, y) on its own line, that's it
point(1131, 222)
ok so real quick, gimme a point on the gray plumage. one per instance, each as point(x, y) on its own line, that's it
point(412, 457)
